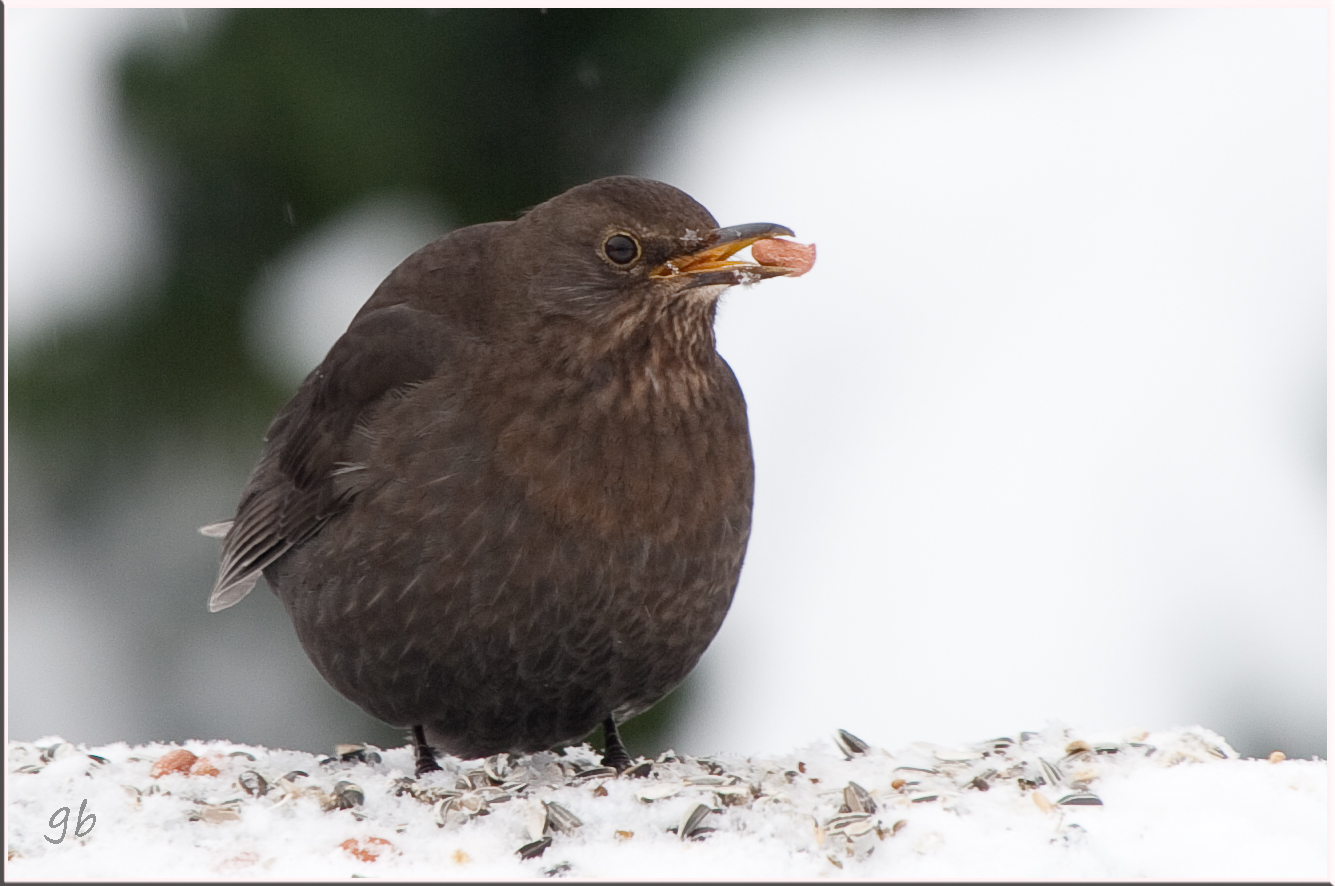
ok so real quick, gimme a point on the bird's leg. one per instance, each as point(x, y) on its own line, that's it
point(426, 757)
point(614, 752)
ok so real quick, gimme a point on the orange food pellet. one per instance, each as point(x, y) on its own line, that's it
point(797, 257)
point(179, 760)
point(369, 849)
point(242, 860)
point(204, 766)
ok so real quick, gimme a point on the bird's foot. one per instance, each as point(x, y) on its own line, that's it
point(426, 757)
point(615, 754)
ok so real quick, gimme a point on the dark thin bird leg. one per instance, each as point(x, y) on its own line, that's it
point(426, 757)
point(614, 752)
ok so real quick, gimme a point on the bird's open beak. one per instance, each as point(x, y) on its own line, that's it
point(712, 266)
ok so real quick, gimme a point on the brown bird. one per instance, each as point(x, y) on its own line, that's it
point(513, 501)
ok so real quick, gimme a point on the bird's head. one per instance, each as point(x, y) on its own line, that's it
point(629, 252)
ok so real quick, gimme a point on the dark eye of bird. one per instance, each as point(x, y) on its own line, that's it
point(621, 249)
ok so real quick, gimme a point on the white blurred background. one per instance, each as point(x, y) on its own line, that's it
point(1042, 437)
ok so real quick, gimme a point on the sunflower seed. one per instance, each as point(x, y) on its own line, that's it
point(1052, 773)
point(1080, 798)
point(595, 772)
point(30, 769)
point(922, 798)
point(857, 799)
point(850, 744)
point(294, 775)
point(560, 820)
point(534, 849)
point(640, 771)
point(856, 829)
point(690, 825)
point(249, 756)
point(515, 788)
point(557, 870)
point(705, 780)
point(1105, 748)
point(916, 769)
point(843, 820)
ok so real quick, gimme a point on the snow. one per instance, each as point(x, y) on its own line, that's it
point(1174, 804)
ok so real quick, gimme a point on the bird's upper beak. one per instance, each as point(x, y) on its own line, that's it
point(711, 266)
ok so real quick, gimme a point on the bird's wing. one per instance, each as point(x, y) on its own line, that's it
point(309, 469)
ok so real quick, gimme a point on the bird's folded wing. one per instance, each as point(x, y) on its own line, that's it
point(308, 471)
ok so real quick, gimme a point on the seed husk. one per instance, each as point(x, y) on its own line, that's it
point(1080, 798)
point(640, 771)
point(253, 783)
point(595, 772)
point(560, 820)
point(850, 744)
point(857, 799)
point(659, 791)
point(690, 825)
point(497, 767)
point(1052, 773)
point(534, 849)
point(347, 795)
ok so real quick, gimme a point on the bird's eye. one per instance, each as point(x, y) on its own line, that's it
point(621, 249)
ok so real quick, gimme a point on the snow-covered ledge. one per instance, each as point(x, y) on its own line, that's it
point(1056, 804)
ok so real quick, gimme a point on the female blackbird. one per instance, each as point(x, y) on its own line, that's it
point(513, 500)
